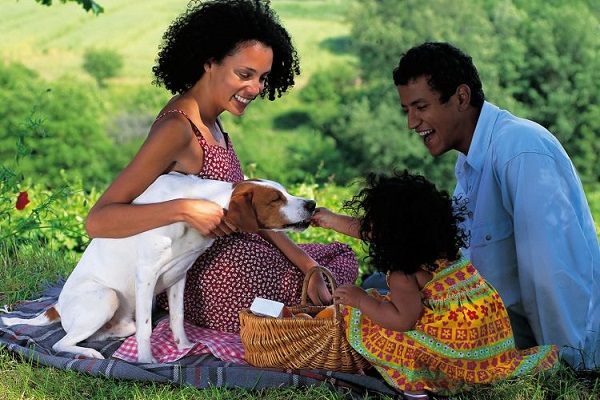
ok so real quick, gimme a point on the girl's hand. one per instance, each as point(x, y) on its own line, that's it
point(350, 295)
point(323, 218)
point(344, 224)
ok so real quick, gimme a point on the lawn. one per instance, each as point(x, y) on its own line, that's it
point(52, 40)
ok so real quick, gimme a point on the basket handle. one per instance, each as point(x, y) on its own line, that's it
point(330, 278)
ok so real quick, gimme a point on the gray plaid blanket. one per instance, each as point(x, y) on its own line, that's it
point(201, 371)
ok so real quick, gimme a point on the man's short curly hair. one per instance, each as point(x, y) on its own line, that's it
point(211, 30)
point(446, 68)
point(407, 222)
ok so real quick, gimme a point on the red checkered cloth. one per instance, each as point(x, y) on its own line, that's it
point(224, 345)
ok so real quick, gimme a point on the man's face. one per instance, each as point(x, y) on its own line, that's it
point(441, 126)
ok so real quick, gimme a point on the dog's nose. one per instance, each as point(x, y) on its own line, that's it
point(310, 205)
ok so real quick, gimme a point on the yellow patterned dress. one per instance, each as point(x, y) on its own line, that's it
point(462, 338)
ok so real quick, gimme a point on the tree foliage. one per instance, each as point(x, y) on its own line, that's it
point(74, 143)
point(537, 59)
point(102, 64)
point(88, 5)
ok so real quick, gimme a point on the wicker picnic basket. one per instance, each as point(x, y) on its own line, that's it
point(299, 343)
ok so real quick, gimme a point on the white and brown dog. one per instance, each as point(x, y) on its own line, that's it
point(111, 290)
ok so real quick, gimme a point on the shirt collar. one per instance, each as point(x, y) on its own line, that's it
point(482, 137)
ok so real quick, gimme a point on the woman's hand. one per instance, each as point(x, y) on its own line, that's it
point(207, 217)
point(317, 290)
point(350, 295)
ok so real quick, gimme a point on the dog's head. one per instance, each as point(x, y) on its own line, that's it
point(261, 204)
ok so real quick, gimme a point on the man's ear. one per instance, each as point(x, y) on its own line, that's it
point(241, 213)
point(463, 95)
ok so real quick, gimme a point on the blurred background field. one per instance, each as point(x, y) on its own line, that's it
point(51, 40)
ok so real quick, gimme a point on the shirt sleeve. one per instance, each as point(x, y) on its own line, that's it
point(555, 263)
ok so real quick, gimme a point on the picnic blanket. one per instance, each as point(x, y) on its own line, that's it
point(215, 360)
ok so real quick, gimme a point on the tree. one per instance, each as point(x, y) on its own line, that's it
point(537, 59)
point(102, 64)
point(74, 143)
point(557, 79)
point(88, 5)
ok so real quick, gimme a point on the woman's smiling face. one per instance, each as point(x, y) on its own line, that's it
point(241, 77)
point(439, 125)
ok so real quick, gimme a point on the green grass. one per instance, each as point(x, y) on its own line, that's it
point(23, 379)
point(52, 40)
point(26, 269)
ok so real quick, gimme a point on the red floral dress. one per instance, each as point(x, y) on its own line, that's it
point(241, 266)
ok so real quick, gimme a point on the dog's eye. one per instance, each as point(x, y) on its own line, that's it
point(277, 198)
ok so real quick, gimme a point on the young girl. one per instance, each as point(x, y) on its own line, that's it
point(442, 327)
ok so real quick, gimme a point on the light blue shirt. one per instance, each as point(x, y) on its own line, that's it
point(532, 234)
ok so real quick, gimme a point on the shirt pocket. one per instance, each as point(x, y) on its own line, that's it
point(490, 233)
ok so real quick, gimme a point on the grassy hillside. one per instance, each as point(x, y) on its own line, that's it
point(51, 40)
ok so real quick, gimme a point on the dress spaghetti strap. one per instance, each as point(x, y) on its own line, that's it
point(197, 132)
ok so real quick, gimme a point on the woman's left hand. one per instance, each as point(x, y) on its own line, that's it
point(317, 290)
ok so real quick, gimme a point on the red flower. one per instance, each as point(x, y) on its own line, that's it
point(453, 316)
point(22, 201)
point(472, 315)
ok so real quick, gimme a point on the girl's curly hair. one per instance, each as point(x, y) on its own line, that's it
point(212, 30)
point(407, 222)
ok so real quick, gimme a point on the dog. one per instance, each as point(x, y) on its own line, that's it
point(110, 292)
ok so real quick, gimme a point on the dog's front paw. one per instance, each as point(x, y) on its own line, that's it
point(146, 358)
point(91, 353)
point(183, 343)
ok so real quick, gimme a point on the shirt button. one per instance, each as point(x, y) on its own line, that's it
point(488, 237)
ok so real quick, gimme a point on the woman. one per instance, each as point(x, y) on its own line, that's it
point(218, 56)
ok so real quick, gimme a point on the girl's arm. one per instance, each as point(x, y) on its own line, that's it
point(400, 314)
point(166, 148)
point(344, 224)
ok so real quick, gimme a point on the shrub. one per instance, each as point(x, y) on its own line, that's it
point(30, 212)
point(102, 64)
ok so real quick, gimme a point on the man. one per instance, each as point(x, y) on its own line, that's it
point(532, 233)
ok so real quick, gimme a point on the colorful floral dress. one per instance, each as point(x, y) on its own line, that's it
point(462, 338)
point(241, 266)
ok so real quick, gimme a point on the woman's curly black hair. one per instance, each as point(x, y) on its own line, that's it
point(211, 30)
point(407, 222)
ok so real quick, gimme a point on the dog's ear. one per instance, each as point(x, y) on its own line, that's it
point(241, 212)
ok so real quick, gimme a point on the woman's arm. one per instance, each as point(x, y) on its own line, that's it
point(166, 148)
point(317, 289)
